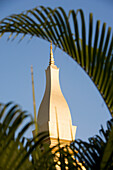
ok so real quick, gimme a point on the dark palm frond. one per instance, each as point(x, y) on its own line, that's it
point(107, 158)
point(11, 118)
point(95, 154)
point(94, 56)
point(15, 151)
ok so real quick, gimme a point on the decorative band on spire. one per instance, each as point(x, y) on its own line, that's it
point(51, 60)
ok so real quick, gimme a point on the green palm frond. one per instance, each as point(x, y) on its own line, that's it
point(92, 51)
point(107, 158)
point(90, 155)
point(15, 151)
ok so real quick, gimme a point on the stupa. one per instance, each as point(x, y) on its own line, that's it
point(54, 114)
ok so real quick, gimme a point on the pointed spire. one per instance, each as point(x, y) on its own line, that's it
point(51, 60)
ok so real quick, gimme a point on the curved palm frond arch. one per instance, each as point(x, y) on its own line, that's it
point(93, 52)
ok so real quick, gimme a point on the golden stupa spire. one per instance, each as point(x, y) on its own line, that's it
point(51, 60)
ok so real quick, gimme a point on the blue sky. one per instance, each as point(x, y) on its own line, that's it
point(87, 108)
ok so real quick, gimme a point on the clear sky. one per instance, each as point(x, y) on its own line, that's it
point(87, 108)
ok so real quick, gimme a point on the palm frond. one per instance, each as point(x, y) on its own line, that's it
point(107, 158)
point(94, 56)
point(14, 150)
point(97, 153)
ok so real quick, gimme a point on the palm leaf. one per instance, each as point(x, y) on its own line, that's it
point(97, 153)
point(95, 57)
point(15, 151)
point(107, 158)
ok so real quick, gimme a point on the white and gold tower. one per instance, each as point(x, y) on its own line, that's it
point(54, 114)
